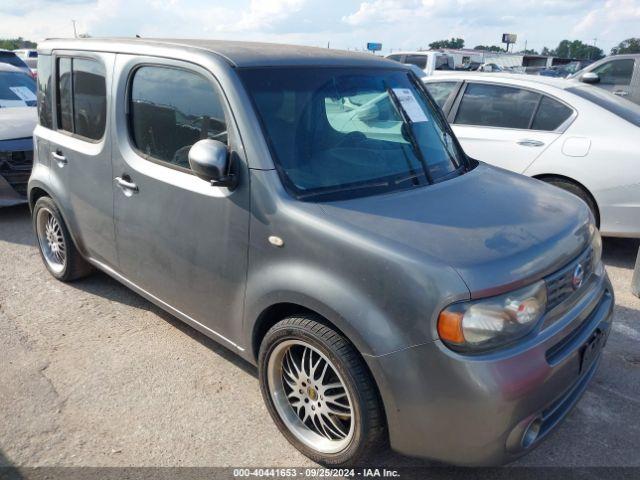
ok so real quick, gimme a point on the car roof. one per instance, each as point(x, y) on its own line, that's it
point(512, 78)
point(236, 53)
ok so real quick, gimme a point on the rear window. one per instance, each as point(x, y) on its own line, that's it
point(550, 115)
point(496, 106)
point(618, 106)
point(417, 60)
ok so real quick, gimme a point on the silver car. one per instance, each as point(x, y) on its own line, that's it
point(389, 288)
point(618, 74)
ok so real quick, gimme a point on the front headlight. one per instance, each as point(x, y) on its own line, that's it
point(596, 246)
point(492, 322)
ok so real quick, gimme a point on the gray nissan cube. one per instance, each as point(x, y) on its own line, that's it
point(312, 211)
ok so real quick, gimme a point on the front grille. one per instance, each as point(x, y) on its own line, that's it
point(16, 167)
point(560, 284)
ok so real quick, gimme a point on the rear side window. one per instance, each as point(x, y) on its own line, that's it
point(550, 115)
point(65, 112)
point(82, 99)
point(44, 91)
point(496, 106)
point(89, 98)
point(417, 60)
point(440, 91)
point(615, 72)
point(170, 110)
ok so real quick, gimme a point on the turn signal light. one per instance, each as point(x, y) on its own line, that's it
point(450, 326)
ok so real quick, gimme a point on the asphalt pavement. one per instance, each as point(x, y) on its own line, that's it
point(91, 374)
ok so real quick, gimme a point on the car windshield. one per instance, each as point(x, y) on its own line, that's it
point(618, 106)
point(342, 132)
point(17, 90)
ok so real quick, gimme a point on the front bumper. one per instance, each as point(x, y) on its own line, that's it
point(490, 409)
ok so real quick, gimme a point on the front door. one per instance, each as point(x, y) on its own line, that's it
point(179, 238)
point(616, 76)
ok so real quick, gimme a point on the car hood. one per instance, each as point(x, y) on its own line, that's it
point(497, 229)
point(17, 122)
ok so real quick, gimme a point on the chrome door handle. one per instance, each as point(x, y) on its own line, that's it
point(60, 159)
point(530, 143)
point(127, 187)
point(621, 93)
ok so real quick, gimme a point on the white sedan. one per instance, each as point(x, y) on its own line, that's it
point(566, 133)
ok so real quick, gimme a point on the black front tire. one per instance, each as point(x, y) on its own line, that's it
point(578, 191)
point(369, 436)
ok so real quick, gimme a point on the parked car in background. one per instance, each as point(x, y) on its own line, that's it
point(18, 118)
point(10, 58)
point(428, 61)
point(30, 57)
point(490, 67)
point(563, 132)
point(312, 210)
point(618, 74)
point(564, 71)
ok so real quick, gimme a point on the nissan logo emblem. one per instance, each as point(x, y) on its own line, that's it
point(578, 277)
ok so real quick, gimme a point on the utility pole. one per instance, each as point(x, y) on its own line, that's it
point(75, 32)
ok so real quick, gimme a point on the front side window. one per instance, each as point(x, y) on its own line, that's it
point(550, 115)
point(440, 91)
point(16, 90)
point(170, 110)
point(615, 72)
point(44, 91)
point(82, 97)
point(343, 132)
point(496, 106)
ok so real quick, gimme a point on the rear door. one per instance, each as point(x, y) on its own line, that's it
point(80, 149)
point(179, 238)
point(506, 126)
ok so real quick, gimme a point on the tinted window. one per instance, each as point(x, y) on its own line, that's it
point(341, 132)
point(65, 112)
point(496, 106)
point(550, 115)
point(616, 72)
point(618, 106)
point(16, 90)
point(44, 91)
point(171, 109)
point(397, 58)
point(417, 60)
point(440, 91)
point(12, 59)
point(89, 98)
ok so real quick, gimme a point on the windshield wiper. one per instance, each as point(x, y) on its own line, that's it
point(408, 128)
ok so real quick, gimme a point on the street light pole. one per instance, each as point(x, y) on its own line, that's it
point(75, 33)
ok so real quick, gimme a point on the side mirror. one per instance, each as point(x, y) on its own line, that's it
point(590, 77)
point(210, 160)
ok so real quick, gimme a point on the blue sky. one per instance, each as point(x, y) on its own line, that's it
point(397, 24)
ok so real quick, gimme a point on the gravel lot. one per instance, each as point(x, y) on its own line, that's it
point(91, 374)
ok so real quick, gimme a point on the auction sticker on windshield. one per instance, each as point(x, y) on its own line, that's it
point(410, 105)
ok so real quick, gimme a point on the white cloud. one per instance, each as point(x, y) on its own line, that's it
point(396, 23)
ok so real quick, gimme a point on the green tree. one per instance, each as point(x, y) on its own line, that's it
point(577, 49)
point(453, 43)
point(15, 43)
point(529, 51)
point(630, 45)
point(489, 48)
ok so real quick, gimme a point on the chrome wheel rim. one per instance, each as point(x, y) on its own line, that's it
point(310, 396)
point(51, 240)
